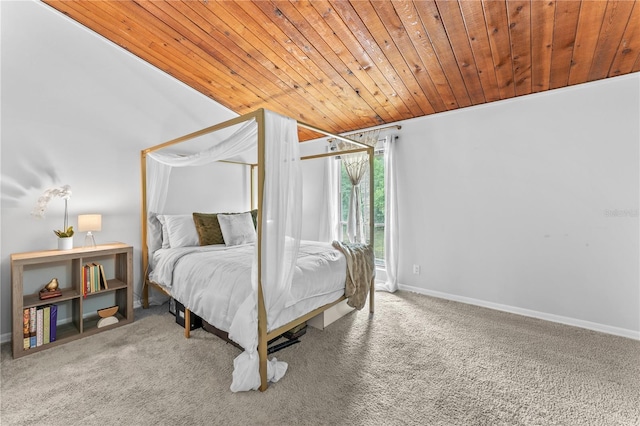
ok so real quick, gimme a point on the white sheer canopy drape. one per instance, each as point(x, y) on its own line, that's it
point(330, 228)
point(280, 237)
point(280, 228)
point(159, 164)
point(282, 211)
point(391, 241)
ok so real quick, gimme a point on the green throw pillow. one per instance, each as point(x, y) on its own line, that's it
point(208, 228)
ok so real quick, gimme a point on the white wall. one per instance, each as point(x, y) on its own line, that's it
point(529, 205)
point(312, 202)
point(77, 110)
point(220, 187)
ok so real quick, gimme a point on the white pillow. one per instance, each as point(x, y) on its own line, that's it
point(154, 232)
point(165, 232)
point(237, 228)
point(178, 230)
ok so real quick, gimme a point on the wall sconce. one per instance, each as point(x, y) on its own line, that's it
point(89, 223)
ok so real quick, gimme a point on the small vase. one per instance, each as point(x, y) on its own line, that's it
point(65, 243)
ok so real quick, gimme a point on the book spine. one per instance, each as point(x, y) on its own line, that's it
point(103, 278)
point(46, 330)
point(25, 328)
point(85, 280)
point(96, 278)
point(39, 326)
point(32, 327)
point(90, 279)
point(53, 326)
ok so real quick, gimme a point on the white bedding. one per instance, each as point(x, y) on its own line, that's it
point(212, 281)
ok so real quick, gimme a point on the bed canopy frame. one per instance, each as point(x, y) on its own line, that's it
point(264, 336)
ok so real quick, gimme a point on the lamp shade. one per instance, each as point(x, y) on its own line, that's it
point(89, 222)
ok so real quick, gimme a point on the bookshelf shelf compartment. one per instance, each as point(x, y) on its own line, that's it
point(77, 314)
point(34, 299)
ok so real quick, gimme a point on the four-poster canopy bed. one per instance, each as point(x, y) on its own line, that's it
point(268, 308)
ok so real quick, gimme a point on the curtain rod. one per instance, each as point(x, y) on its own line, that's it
point(396, 126)
point(331, 135)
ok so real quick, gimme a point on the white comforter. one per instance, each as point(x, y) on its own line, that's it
point(212, 281)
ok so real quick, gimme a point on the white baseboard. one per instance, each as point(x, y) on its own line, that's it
point(616, 331)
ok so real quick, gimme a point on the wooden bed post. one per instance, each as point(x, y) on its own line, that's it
point(262, 312)
point(187, 322)
point(145, 254)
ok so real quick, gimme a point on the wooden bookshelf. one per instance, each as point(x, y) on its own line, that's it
point(77, 314)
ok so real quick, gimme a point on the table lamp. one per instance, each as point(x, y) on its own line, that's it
point(89, 223)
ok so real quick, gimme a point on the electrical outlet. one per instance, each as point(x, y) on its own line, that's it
point(416, 269)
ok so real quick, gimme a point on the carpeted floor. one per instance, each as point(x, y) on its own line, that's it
point(420, 360)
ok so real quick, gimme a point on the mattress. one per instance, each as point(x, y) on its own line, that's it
point(212, 281)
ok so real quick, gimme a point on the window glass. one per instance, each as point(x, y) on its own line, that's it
point(378, 206)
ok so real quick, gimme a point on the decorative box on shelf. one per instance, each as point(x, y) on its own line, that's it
point(88, 280)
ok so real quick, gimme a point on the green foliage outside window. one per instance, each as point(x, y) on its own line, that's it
point(378, 204)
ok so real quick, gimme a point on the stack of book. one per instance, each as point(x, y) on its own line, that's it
point(93, 279)
point(296, 331)
point(39, 325)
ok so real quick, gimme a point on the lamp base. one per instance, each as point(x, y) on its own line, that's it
point(89, 240)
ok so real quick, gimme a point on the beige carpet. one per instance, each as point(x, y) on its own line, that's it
point(420, 360)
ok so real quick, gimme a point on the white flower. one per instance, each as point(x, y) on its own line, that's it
point(63, 192)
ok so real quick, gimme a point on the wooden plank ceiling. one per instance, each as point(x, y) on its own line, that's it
point(349, 65)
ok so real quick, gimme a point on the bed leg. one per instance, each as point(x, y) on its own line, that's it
point(262, 353)
point(145, 295)
point(372, 291)
point(187, 323)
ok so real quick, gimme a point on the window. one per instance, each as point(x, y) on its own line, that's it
point(378, 207)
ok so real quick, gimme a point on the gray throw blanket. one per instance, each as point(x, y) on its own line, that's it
point(360, 272)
